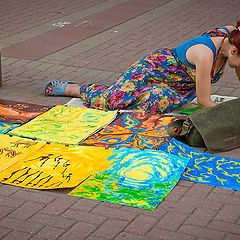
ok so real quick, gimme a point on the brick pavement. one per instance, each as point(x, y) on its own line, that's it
point(191, 210)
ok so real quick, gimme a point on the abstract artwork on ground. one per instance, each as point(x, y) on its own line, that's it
point(56, 166)
point(6, 127)
point(65, 124)
point(13, 149)
point(135, 130)
point(19, 112)
point(206, 168)
point(139, 178)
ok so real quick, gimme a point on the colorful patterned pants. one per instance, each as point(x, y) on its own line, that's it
point(154, 84)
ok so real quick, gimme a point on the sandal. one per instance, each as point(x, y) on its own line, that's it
point(58, 87)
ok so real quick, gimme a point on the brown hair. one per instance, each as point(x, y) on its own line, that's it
point(234, 37)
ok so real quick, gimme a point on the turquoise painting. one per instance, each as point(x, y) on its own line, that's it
point(206, 168)
point(6, 127)
point(138, 178)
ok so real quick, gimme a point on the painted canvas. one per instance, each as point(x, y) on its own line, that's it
point(206, 168)
point(19, 112)
point(56, 166)
point(133, 129)
point(138, 178)
point(6, 127)
point(13, 149)
point(65, 124)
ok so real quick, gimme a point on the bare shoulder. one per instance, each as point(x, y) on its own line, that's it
point(199, 54)
point(229, 27)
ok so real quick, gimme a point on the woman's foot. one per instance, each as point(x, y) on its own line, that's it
point(62, 88)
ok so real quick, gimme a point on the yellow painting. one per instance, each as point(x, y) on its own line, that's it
point(57, 166)
point(65, 124)
point(13, 149)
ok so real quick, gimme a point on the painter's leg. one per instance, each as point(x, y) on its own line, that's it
point(119, 95)
point(158, 99)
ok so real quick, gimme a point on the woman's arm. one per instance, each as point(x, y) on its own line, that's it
point(202, 57)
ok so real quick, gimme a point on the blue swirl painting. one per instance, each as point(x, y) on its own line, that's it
point(206, 168)
point(139, 178)
point(6, 127)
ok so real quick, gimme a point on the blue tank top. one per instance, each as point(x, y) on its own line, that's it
point(204, 39)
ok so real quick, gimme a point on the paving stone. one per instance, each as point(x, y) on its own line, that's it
point(27, 210)
point(114, 213)
point(231, 236)
point(79, 231)
point(59, 205)
point(34, 196)
point(176, 194)
point(18, 235)
point(171, 221)
point(182, 207)
point(201, 217)
point(229, 213)
point(7, 190)
point(157, 233)
point(199, 190)
point(204, 203)
point(131, 236)
point(4, 211)
point(10, 202)
point(84, 216)
point(141, 225)
point(85, 205)
point(49, 233)
point(111, 228)
point(201, 232)
point(220, 198)
point(19, 225)
point(52, 221)
point(224, 226)
point(4, 232)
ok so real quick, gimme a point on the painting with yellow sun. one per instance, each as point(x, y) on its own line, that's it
point(138, 178)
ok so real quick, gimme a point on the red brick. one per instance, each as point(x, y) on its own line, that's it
point(171, 221)
point(141, 225)
point(157, 233)
point(114, 213)
point(201, 232)
point(110, 229)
